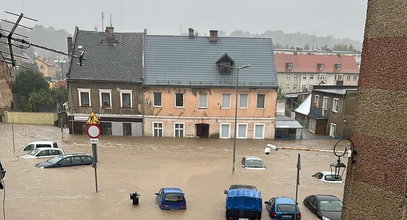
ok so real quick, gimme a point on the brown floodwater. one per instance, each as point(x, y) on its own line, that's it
point(200, 167)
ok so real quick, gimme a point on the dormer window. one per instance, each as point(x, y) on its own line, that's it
point(338, 66)
point(320, 66)
point(289, 65)
point(225, 64)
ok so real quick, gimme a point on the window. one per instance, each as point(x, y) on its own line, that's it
point(105, 97)
point(321, 76)
point(325, 103)
point(261, 98)
point(304, 77)
point(320, 66)
point(258, 131)
point(338, 66)
point(287, 87)
point(355, 77)
point(242, 131)
point(316, 100)
point(203, 100)
point(335, 105)
point(295, 76)
point(304, 87)
point(179, 129)
point(288, 77)
point(225, 100)
point(127, 129)
point(243, 100)
point(310, 87)
point(84, 97)
point(295, 87)
point(332, 130)
point(157, 129)
point(289, 65)
point(157, 99)
point(179, 100)
point(224, 130)
point(126, 98)
point(348, 77)
point(311, 76)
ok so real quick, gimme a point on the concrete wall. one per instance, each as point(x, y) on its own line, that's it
point(376, 185)
point(38, 118)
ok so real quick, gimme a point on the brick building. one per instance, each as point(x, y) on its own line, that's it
point(376, 185)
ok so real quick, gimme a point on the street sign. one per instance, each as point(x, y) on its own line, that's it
point(92, 119)
point(94, 140)
point(93, 131)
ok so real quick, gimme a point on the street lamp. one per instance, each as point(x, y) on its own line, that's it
point(235, 131)
point(337, 166)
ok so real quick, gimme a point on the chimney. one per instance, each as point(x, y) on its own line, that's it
point(213, 35)
point(191, 32)
point(109, 31)
point(70, 44)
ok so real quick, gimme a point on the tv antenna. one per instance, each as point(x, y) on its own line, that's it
point(20, 41)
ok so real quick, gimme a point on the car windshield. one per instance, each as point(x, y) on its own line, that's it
point(254, 163)
point(54, 160)
point(331, 206)
point(286, 208)
point(174, 197)
point(330, 177)
point(32, 153)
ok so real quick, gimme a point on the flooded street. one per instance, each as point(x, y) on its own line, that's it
point(200, 167)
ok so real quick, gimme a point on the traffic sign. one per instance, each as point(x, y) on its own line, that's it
point(93, 131)
point(92, 119)
point(94, 140)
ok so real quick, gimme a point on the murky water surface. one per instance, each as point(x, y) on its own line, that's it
point(201, 167)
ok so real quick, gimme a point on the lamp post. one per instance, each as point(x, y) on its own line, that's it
point(338, 165)
point(236, 89)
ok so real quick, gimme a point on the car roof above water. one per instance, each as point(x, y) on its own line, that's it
point(284, 200)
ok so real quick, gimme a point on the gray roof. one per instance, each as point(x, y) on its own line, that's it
point(185, 61)
point(286, 122)
point(335, 91)
point(118, 59)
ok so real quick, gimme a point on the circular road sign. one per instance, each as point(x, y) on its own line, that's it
point(93, 131)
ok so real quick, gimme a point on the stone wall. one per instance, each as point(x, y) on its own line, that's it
point(376, 184)
point(38, 118)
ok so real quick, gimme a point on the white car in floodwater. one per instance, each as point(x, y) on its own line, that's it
point(328, 177)
point(43, 153)
point(253, 163)
point(39, 144)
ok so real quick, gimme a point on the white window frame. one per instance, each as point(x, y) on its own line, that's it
point(287, 88)
point(310, 87)
point(161, 99)
point(126, 91)
point(295, 87)
point(335, 105)
point(257, 100)
point(183, 128)
point(325, 103)
point(199, 100)
point(316, 100)
point(348, 77)
point(220, 131)
point(304, 77)
point(162, 128)
point(288, 77)
point(332, 130)
point(110, 97)
point(84, 90)
point(230, 101)
point(175, 100)
point(311, 77)
point(303, 87)
point(245, 132)
point(247, 101)
point(254, 131)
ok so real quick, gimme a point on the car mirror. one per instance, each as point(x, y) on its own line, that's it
point(267, 202)
point(156, 194)
point(226, 191)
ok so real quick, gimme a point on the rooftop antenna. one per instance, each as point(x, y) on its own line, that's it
point(103, 17)
point(111, 20)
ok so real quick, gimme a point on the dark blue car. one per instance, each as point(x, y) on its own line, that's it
point(171, 198)
point(283, 208)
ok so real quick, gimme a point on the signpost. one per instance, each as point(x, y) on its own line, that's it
point(298, 177)
point(93, 131)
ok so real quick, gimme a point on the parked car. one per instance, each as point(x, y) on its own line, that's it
point(283, 208)
point(328, 177)
point(243, 204)
point(66, 160)
point(43, 153)
point(242, 186)
point(171, 198)
point(327, 207)
point(253, 163)
point(39, 144)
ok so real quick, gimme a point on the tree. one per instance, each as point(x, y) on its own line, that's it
point(28, 81)
point(60, 96)
point(40, 100)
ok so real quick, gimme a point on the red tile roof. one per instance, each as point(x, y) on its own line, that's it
point(309, 63)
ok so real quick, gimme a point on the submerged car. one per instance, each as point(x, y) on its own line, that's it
point(66, 160)
point(43, 153)
point(253, 163)
point(39, 144)
point(327, 207)
point(171, 198)
point(283, 208)
point(328, 177)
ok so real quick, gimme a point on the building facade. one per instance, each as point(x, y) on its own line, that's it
point(47, 68)
point(107, 83)
point(190, 87)
point(300, 72)
point(6, 90)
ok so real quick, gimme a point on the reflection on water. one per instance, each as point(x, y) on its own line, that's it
point(201, 167)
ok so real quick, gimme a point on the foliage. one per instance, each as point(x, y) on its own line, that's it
point(28, 81)
point(60, 95)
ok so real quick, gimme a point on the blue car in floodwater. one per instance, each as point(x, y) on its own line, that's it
point(283, 208)
point(171, 198)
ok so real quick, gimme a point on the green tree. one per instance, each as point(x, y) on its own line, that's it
point(28, 81)
point(60, 95)
point(43, 97)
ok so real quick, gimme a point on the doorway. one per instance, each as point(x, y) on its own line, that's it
point(202, 130)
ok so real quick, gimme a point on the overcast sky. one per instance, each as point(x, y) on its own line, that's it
point(339, 18)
